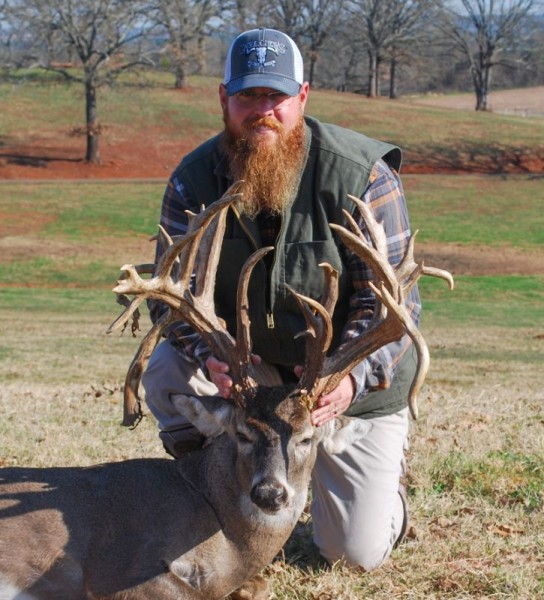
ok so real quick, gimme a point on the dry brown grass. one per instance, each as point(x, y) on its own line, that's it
point(477, 528)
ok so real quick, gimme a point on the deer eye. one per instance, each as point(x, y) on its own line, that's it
point(242, 438)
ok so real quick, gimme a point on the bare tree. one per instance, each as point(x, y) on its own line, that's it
point(288, 16)
point(320, 19)
point(102, 34)
point(409, 30)
point(483, 34)
point(187, 24)
point(247, 14)
point(384, 28)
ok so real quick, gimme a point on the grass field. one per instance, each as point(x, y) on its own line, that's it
point(148, 126)
point(477, 456)
point(477, 450)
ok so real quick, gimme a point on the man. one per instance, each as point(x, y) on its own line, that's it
point(297, 173)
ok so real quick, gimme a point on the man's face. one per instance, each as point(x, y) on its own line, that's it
point(255, 104)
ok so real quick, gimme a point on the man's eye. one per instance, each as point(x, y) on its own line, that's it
point(278, 96)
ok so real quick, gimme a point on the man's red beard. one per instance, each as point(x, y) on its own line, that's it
point(270, 171)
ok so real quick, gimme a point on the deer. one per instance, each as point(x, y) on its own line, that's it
point(198, 527)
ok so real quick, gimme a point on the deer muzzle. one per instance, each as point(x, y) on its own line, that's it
point(269, 495)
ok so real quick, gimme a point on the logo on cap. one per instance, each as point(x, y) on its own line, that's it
point(261, 47)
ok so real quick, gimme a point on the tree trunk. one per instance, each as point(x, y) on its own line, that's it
point(180, 57)
point(481, 86)
point(311, 73)
point(182, 81)
point(93, 129)
point(201, 56)
point(372, 75)
point(393, 78)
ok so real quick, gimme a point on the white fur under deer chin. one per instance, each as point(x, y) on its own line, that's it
point(287, 516)
point(11, 592)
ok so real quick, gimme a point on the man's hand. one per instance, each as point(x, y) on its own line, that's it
point(219, 375)
point(219, 370)
point(334, 403)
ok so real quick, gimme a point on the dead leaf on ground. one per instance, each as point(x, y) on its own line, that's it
point(503, 530)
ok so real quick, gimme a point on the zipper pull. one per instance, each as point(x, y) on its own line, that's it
point(270, 320)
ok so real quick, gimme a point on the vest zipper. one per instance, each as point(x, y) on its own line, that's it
point(269, 314)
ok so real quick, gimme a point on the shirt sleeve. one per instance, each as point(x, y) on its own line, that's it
point(185, 340)
point(385, 196)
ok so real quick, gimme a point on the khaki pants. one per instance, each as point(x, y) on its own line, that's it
point(357, 512)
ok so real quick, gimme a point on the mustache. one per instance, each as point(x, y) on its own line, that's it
point(257, 122)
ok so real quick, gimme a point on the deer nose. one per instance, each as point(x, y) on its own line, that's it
point(269, 496)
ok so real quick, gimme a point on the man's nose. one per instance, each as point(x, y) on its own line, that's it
point(265, 104)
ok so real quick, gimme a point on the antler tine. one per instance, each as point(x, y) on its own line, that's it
point(319, 331)
point(330, 294)
point(318, 339)
point(409, 271)
point(383, 271)
point(440, 273)
point(132, 404)
point(183, 249)
point(131, 307)
point(422, 350)
point(374, 229)
point(210, 231)
point(243, 323)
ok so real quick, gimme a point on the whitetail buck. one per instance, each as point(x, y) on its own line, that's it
point(198, 527)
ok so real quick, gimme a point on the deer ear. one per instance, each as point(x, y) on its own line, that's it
point(209, 414)
point(338, 434)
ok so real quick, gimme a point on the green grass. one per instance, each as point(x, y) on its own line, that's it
point(89, 229)
point(477, 209)
point(510, 301)
point(84, 211)
point(60, 301)
point(500, 477)
point(50, 104)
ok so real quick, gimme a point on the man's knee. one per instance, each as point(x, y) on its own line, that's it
point(161, 370)
point(367, 546)
point(163, 377)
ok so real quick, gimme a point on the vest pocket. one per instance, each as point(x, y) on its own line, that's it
point(302, 270)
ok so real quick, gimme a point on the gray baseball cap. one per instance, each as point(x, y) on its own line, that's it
point(264, 58)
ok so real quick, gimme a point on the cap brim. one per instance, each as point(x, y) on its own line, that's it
point(268, 80)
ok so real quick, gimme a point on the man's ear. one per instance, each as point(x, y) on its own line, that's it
point(223, 96)
point(211, 415)
point(340, 433)
point(303, 95)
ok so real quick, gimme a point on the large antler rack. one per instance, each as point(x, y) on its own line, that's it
point(197, 252)
point(391, 318)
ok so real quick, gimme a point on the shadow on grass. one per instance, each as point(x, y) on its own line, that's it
point(38, 159)
point(478, 158)
point(300, 550)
